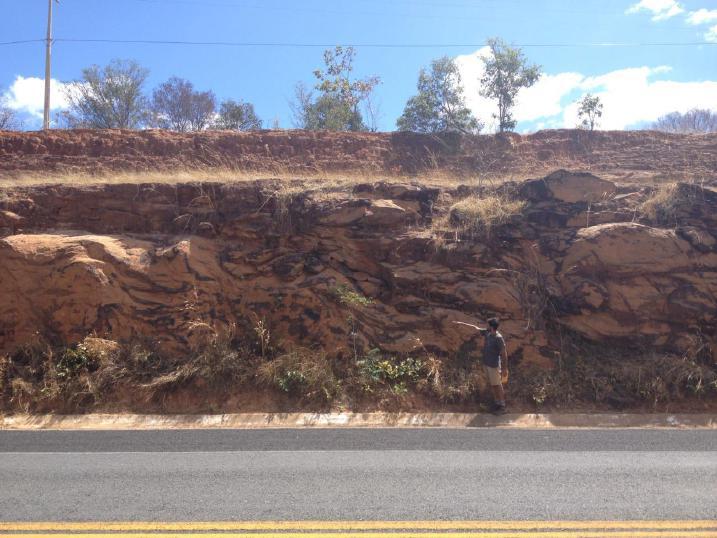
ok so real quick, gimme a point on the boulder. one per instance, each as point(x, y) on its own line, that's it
point(565, 186)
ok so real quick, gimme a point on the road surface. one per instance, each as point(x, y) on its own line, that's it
point(374, 475)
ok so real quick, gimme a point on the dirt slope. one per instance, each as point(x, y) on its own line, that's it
point(621, 155)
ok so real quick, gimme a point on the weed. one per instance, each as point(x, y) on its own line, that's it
point(263, 335)
point(376, 370)
point(291, 381)
point(73, 361)
point(591, 373)
point(348, 297)
point(221, 363)
point(4, 374)
point(303, 373)
point(533, 292)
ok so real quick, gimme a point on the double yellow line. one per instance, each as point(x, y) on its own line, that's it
point(364, 529)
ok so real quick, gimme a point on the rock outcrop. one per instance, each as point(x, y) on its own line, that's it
point(122, 261)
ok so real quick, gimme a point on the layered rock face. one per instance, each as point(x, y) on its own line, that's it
point(169, 261)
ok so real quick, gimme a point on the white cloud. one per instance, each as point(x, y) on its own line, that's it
point(702, 16)
point(630, 96)
point(541, 100)
point(660, 9)
point(27, 94)
point(711, 34)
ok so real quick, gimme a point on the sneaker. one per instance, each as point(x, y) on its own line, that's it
point(498, 409)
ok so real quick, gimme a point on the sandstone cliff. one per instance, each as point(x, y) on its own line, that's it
point(589, 277)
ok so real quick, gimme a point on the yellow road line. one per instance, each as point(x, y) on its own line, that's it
point(477, 534)
point(189, 526)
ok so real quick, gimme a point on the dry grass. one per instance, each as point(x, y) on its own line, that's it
point(100, 373)
point(302, 373)
point(299, 180)
point(668, 201)
point(662, 205)
point(477, 216)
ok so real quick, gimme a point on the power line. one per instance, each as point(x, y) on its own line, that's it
point(375, 45)
point(20, 42)
point(357, 45)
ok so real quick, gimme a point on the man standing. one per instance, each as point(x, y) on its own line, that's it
point(495, 370)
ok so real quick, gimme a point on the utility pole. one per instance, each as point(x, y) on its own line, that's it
point(48, 54)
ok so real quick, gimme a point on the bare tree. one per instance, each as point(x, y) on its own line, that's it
point(372, 113)
point(8, 117)
point(302, 107)
point(108, 98)
point(697, 120)
point(204, 105)
point(177, 106)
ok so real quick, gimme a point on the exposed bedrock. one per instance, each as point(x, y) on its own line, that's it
point(164, 261)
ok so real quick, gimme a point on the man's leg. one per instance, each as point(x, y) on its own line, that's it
point(496, 386)
point(498, 395)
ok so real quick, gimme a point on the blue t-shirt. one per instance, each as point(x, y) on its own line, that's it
point(493, 346)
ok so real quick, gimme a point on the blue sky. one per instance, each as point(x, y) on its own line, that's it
point(637, 83)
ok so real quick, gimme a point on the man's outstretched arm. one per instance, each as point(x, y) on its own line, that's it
point(479, 329)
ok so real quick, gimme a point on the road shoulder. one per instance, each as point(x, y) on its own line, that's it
point(99, 421)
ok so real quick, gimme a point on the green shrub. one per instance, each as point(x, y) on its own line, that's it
point(292, 381)
point(348, 297)
point(74, 360)
point(376, 370)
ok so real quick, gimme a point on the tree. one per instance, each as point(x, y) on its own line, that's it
point(697, 120)
point(176, 105)
point(373, 113)
point(589, 110)
point(302, 107)
point(506, 73)
point(108, 98)
point(337, 107)
point(439, 105)
point(204, 105)
point(8, 117)
point(323, 112)
point(237, 116)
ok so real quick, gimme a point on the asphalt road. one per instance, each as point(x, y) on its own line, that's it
point(340, 474)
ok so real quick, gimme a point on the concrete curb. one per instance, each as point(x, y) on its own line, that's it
point(353, 420)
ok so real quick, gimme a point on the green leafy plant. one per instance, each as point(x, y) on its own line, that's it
point(73, 361)
point(303, 373)
point(376, 370)
point(348, 297)
point(291, 381)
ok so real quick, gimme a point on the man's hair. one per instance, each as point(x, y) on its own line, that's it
point(493, 323)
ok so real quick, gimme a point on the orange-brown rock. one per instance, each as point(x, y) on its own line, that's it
point(160, 260)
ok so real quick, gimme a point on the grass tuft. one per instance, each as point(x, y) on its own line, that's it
point(479, 215)
point(668, 201)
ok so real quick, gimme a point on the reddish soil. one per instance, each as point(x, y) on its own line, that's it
point(617, 155)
